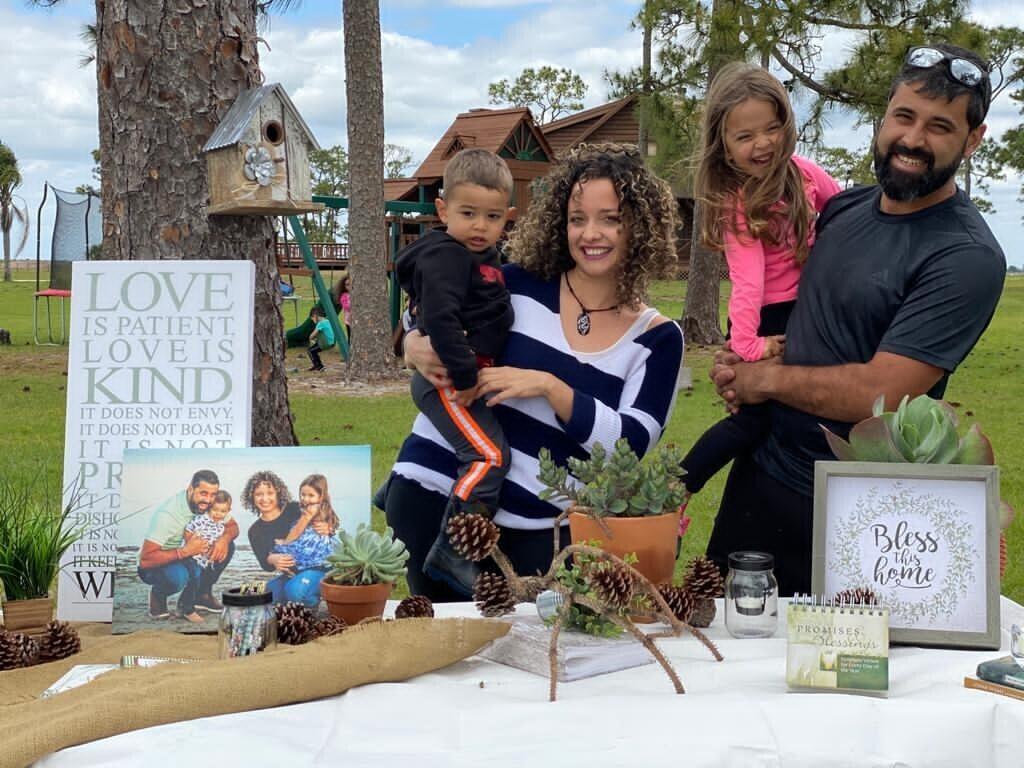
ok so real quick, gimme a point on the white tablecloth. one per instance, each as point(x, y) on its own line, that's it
point(734, 713)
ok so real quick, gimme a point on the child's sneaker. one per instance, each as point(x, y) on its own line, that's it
point(194, 617)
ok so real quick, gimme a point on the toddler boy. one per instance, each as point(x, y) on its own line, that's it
point(458, 298)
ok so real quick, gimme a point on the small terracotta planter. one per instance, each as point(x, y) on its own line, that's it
point(28, 616)
point(652, 539)
point(352, 604)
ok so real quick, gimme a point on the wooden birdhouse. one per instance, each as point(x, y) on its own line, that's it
point(257, 159)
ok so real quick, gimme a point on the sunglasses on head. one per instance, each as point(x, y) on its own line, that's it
point(961, 70)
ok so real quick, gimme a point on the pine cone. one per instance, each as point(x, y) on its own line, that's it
point(472, 535)
point(859, 595)
point(295, 623)
point(329, 626)
point(613, 585)
point(417, 606)
point(703, 579)
point(492, 595)
point(17, 650)
point(679, 601)
point(59, 641)
point(703, 613)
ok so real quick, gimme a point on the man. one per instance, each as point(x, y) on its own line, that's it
point(902, 281)
point(165, 559)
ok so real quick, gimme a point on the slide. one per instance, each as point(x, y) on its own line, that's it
point(299, 335)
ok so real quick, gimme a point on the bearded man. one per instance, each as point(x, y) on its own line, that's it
point(902, 280)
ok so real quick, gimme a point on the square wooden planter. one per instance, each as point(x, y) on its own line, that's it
point(28, 616)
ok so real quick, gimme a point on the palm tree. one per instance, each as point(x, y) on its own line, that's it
point(364, 88)
point(10, 179)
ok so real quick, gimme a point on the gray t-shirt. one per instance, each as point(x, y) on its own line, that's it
point(923, 285)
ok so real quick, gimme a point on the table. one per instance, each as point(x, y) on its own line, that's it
point(294, 301)
point(735, 713)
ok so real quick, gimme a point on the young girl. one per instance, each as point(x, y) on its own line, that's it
point(759, 202)
point(345, 302)
point(209, 527)
point(309, 548)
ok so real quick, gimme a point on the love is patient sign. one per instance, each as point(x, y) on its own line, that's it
point(924, 538)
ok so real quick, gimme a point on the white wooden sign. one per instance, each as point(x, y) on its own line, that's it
point(924, 538)
point(160, 357)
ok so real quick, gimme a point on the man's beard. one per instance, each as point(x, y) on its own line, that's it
point(906, 187)
point(193, 505)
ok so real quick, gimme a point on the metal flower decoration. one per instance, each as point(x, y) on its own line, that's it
point(259, 165)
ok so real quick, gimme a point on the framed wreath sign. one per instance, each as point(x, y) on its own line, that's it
point(923, 537)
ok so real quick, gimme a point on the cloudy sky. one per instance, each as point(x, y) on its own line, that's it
point(439, 57)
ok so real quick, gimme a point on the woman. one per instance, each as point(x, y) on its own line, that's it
point(266, 495)
point(587, 361)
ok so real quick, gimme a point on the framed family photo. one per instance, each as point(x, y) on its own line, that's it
point(194, 523)
point(923, 537)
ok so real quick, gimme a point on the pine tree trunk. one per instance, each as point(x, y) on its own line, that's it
point(700, 318)
point(167, 74)
point(371, 357)
point(700, 321)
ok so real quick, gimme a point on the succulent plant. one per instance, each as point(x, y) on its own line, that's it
point(920, 431)
point(367, 558)
point(617, 484)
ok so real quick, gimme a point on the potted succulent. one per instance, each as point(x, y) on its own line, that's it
point(35, 532)
point(919, 431)
point(364, 569)
point(628, 505)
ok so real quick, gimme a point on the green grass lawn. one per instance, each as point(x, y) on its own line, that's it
point(988, 388)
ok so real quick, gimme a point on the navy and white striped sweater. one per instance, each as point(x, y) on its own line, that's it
point(627, 390)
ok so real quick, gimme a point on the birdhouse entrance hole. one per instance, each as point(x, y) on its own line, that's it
point(273, 132)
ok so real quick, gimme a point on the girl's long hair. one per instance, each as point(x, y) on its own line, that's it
point(775, 206)
point(326, 514)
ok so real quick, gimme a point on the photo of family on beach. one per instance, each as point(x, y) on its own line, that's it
point(195, 523)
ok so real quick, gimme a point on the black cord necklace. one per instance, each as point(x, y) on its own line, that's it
point(583, 319)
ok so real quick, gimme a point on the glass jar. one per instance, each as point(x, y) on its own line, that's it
point(751, 595)
point(248, 623)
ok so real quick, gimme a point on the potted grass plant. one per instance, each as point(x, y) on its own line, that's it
point(364, 569)
point(919, 431)
point(35, 532)
point(631, 507)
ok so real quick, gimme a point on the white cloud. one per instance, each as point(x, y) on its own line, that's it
point(48, 103)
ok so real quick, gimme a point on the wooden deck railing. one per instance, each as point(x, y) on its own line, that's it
point(327, 255)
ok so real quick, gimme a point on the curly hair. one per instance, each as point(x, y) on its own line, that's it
point(271, 479)
point(718, 182)
point(540, 243)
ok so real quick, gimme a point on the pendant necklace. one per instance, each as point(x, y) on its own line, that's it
point(583, 319)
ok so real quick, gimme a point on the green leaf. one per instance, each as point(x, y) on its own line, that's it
point(974, 448)
point(871, 440)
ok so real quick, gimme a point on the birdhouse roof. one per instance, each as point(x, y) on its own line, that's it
point(231, 128)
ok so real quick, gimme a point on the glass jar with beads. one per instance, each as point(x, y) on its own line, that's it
point(248, 623)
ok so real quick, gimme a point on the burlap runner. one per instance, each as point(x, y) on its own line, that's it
point(129, 699)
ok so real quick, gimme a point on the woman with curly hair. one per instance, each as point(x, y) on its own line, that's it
point(266, 495)
point(586, 360)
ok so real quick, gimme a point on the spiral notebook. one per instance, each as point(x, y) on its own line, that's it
point(837, 647)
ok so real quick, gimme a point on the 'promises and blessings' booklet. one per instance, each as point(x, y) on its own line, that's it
point(837, 647)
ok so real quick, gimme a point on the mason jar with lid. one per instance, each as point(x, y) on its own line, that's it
point(248, 623)
point(751, 595)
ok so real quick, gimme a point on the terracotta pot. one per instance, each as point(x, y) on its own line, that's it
point(353, 604)
point(28, 616)
point(651, 539)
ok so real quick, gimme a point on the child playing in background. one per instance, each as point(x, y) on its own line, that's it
point(322, 337)
point(458, 298)
point(308, 548)
point(209, 527)
point(759, 204)
point(345, 302)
